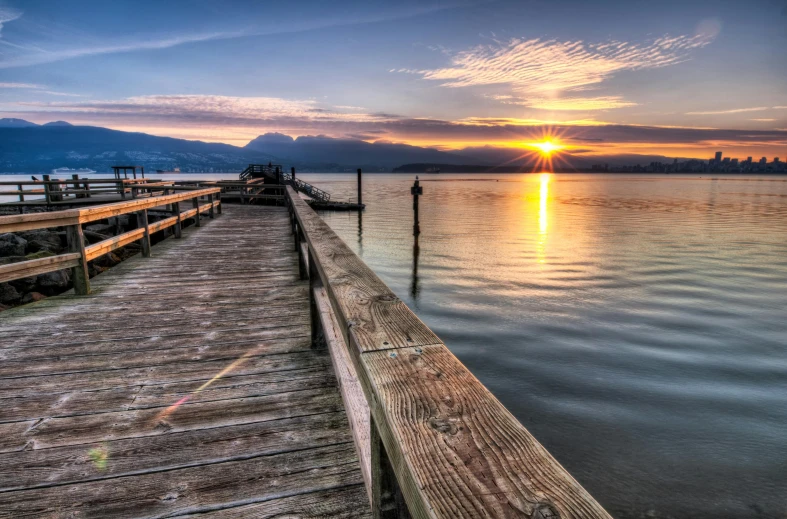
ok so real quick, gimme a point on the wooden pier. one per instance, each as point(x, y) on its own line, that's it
point(255, 367)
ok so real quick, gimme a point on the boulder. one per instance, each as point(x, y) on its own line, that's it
point(12, 245)
point(53, 283)
point(32, 297)
point(94, 237)
point(24, 285)
point(40, 254)
point(101, 228)
point(42, 239)
point(107, 260)
point(11, 259)
point(8, 294)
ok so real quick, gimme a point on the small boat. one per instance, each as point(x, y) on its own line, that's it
point(70, 171)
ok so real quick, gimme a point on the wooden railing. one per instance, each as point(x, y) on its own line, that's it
point(78, 255)
point(432, 440)
point(58, 191)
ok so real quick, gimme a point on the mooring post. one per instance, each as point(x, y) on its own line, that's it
point(360, 193)
point(415, 191)
point(292, 172)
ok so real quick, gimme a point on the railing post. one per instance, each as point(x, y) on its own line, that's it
point(75, 240)
point(47, 195)
point(218, 198)
point(142, 221)
point(210, 201)
point(387, 499)
point(121, 189)
point(178, 224)
point(195, 201)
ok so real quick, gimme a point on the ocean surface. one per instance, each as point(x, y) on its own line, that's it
point(635, 324)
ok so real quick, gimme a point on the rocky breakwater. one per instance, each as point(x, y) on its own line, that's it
point(41, 243)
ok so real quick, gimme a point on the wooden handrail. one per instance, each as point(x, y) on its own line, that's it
point(437, 438)
point(78, 255)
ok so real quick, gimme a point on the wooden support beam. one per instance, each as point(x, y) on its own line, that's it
point(142, 222)
point(195, 201)
point(79, 274)
point(179, 224)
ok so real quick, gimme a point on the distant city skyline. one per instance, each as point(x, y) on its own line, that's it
point(678, 79)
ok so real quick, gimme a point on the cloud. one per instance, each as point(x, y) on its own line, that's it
point(214, 109)
point(21, 85)
point(40, 56)
point(8, 14)
point(572, 103)
point(763, 120)
point(733, 111)
point(239, 119)
point(542, 66)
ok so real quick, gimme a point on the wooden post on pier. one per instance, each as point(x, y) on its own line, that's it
point(292, 171)
point(360, 193)
point(75, 240)
point(415, 191)
point(142, 221)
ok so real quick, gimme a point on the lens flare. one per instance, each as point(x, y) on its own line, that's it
point(237, 362)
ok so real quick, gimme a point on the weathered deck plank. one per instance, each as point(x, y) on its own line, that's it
point(184, 384)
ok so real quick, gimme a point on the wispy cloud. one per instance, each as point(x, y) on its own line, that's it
point(21, 85)
point(8, 14)
point(40, 57)
point(538, 70)
point(538, 65)
point(215, 108)
point(573, 103)
point(732, 111)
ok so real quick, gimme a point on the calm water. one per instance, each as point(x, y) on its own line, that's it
point(637, 325)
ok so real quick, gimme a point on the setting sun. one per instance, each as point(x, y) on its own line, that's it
point(546, 147)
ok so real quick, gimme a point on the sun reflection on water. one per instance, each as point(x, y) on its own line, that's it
point(543, 216)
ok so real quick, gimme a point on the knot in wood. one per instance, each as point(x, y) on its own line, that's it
point(545, 511)
point(443, 425)
point(387, 298)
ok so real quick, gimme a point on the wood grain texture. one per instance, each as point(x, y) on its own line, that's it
point(456, 450)
point(184, 384)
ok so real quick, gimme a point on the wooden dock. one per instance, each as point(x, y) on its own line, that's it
point(254, 367)
point(185, 383)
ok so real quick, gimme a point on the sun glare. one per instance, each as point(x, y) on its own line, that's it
point(546, 147)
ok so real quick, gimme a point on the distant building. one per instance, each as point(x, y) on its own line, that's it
point(718, 157)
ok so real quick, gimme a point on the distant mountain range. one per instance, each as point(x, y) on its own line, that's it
point(32, 148)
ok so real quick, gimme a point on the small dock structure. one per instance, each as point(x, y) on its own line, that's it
point(250, 365)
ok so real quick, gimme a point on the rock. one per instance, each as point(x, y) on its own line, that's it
point(108, 260)
point(101, 228)
point(40, 254)
point(32, 297)
point(42, 239)
point(8, 294)
point(94, 237)
point(53, 283)
point(12, 245)
point(24, 285)
point(11, 259)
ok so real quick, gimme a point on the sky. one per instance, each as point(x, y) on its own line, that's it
point(677, 78)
